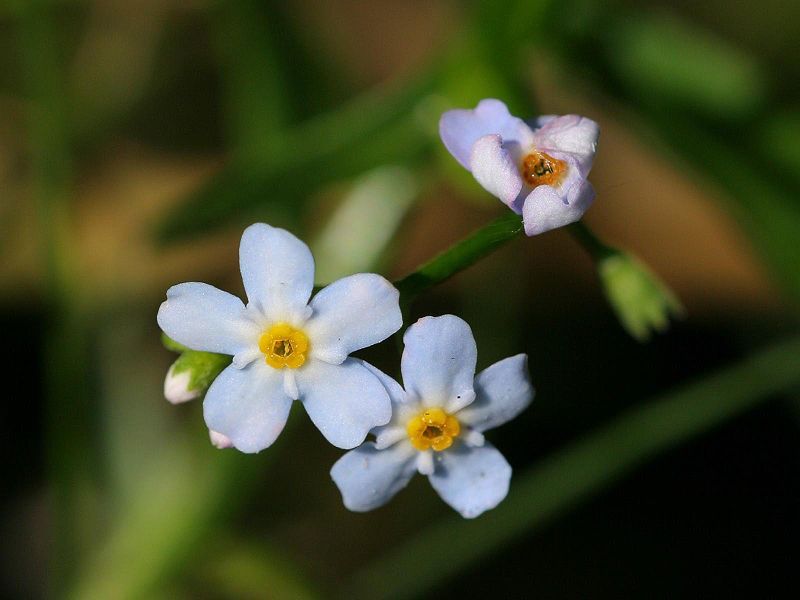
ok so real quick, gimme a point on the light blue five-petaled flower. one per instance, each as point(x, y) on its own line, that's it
point(285, 347)
point(438, 422)
point(539, 172)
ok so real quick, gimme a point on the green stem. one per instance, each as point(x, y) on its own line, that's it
point(460, 256)
point(590, 242)
point(585, 467)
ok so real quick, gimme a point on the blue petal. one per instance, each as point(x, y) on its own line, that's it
point(277, 271)
point(460, 129)
point(344, 401)
point(471, 480)
point(202, 317)
point(352, 313)
point(248, 406)
point(438, 362)
point(369, 478)
point(502, 391)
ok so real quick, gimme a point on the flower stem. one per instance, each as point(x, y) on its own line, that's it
point(586, 467)
point(590, 242)
point(460, 256)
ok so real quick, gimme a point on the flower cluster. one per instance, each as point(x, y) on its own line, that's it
point(285, 345)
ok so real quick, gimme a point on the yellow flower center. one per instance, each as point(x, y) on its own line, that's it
point(538, 168)
point(284, 346)
point(433, 428)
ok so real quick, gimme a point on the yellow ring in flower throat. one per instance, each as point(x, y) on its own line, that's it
point(433, 428)
point(284, 346)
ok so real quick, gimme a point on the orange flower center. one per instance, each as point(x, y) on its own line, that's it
point(539, 168)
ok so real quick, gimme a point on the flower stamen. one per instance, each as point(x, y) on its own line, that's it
point(539, 168)
point(433, 428)
point(283, 346)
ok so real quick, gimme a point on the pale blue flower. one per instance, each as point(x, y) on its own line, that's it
point(438, 422)
point(539, 172)
point(285, 347)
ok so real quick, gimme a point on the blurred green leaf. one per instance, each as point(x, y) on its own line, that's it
point(71, 464)
point(377, 128)
point(176, 503)
point(247, 570)
point(779, 138)
point(253, 77)
point(768, 212)
point(668, 61)
point(361, 227)
point(583, 468)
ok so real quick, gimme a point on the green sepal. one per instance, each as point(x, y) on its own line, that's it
point(171, 344)
point(643, 303)
point(203, 368)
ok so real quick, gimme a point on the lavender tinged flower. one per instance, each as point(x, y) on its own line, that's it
point(539, 172)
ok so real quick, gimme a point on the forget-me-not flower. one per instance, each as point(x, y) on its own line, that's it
point(285, 347)
point(438, 422)
point(538, 172)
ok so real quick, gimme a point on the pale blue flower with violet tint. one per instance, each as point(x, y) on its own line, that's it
point(285, 347)
point(539, 172)
point(438, 422)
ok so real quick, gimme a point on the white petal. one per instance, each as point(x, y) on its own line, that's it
point(495, 169)
point(502, 391)
point(218, 440)
point(402, 410)
point(569, 133)
point(425, 462)
point(438, 362)
point(248, 406)
point(369, 478)
point(290, 384)
point(471, 480)
point(176, 387)
point(201, 317)
point(352, 313)
point(344, 401)
point(545, 208)
point(394, 389)
point(388, 435)
point(472, 437)
point(277, 271)
point(246, 356)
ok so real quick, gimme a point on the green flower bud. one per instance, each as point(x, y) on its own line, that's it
point(643, 302)
point(191, 375)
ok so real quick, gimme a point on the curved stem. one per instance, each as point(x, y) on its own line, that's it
point(460, 256)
